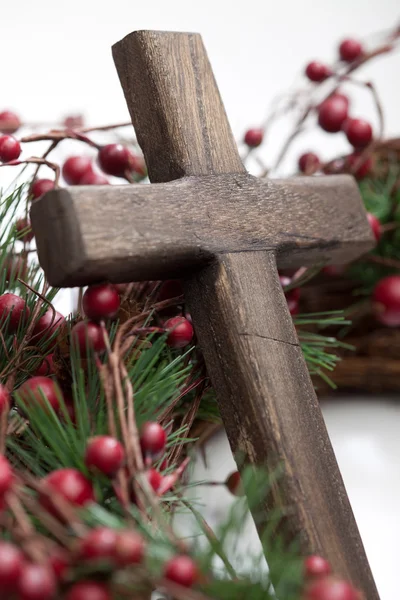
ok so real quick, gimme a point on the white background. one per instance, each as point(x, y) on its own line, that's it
point(56, 60)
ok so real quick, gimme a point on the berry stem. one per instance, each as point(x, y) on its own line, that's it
point(36, 161)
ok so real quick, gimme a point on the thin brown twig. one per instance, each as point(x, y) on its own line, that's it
point(36, 161)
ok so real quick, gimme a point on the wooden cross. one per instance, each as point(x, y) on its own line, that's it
point(207, 221)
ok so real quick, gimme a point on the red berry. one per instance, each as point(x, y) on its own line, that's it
point(359, 167)
point(40, 187)
point(5, 398)
point(70, 484)
point(75, 167)
point(14, 309)
point(154, 478)
point(36, 390)
point(181, 570)
point(339, 96)
point(93, 178)
point(6, 475)
point(101, 301)
point(332, 114)
point(130, 548)
point(359, 132)
point(88, 590)
point(87, 334)
point(330, 588)
point(59, 561)
point(350, 50)
point(73, 121)
point(309, 163)
point(375, 226)
point(180, 332)
point(172, 288)
point(24, 229)
point(99, 543)
point(115, 159)
point(386, 300)
point(316, 566)
point(49, 324)
point(11, 561)
point(105, 453)
point(234, 484)
point(153, 438)
point(317, 71)
point(9, 122)
point(10, 148)
point(254, 137)
point(46, 367)
point(36, 582)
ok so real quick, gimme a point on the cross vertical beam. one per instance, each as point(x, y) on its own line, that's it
point(265, 394)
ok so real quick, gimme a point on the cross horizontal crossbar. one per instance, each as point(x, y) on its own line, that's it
point(159, 231)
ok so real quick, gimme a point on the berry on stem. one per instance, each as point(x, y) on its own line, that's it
point(350, 50)
point(234, 484)
point(182, 570)
point(40, 187)
point(86, 335)
point(14, 309)
point(6, 475)
point(180, 332)
point(37, 390)
point(5, 398)
point(73, 121)
point(358, 132)
point(10, 148)
point(101, 301)
point(332, 114)
point(331, 588)
point(36, 582)
point(375, 225)
point(75, 167)
point(153, 438)
point(70, 484)
point(115, 159)
point(253, 137)
point(99, 543)
point(309, 163)
point(317, 71)
point(9, 122)
point(386, 301)
point(88, 590)
point(130, 548)
point(24, 229)
point(11, 561)
point(316, 566)
point(105, 453)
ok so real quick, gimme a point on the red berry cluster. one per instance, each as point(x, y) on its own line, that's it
point(333, 116)
point(292, 296)
point(99, 302)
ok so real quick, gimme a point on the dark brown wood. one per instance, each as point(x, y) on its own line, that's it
point(224, 231)
point(269, 406)
point(164, 230)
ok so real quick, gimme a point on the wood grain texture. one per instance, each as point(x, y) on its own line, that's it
point(269, 406)
point(175, 106)
point(166, 230)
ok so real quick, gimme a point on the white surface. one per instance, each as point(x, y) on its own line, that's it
point(56, 60)
point(366, 440)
